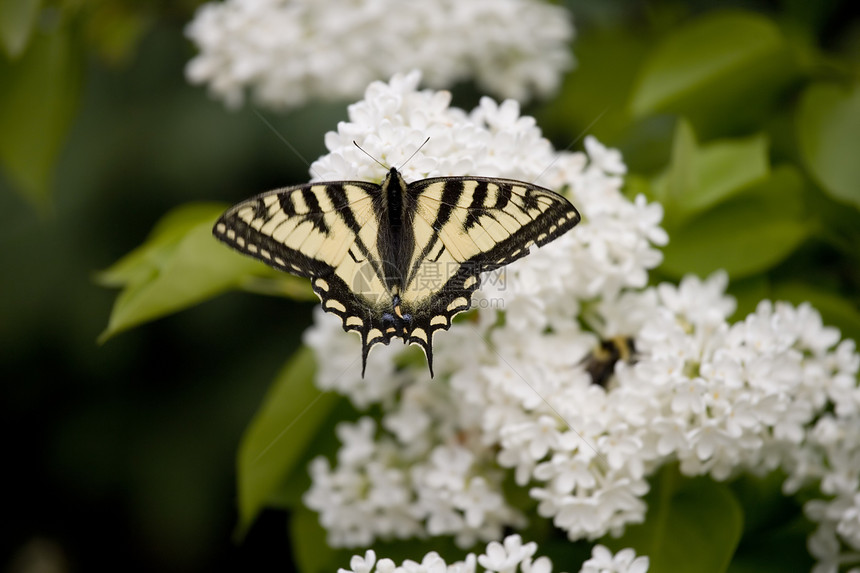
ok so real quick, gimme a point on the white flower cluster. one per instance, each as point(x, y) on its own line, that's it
point(288, 52)
point(511, 557)
point(381, 489)
point(776, 390)
point(435, 457)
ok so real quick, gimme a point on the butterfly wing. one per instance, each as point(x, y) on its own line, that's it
point(327, 232)
point(463, 226)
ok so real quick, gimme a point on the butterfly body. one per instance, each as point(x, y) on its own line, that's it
point(396, 260)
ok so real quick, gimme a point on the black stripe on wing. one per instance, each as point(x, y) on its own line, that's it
point(316, 233)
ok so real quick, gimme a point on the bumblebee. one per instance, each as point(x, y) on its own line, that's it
point(600, 362)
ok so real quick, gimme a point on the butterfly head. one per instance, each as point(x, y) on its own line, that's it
point(394, 179)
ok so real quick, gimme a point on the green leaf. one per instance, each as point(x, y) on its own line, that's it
point(680, 178)
point(722, 71)
point(700, 177)
point(180, 265)
point(692, 525)
point(114, 28)
point(310, 547)
point(828, 131)
point(593, 97)
point(279, 284)
point(17, 19)
point(160, 245)
point(290, 416)
point(38, 100)
point(776, 550)
point(764, 504)
point(747, 234)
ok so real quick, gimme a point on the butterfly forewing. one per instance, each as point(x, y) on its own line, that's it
point(306, 230)
point(396, 260)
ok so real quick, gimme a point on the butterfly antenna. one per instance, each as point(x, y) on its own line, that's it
point(384, 166)
point(572, 143)
point(408, 159)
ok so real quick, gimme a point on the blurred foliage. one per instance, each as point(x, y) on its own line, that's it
point(693, 525)
point(42, 78)
point(271, 446)
point(180, 265)
point(744, 122)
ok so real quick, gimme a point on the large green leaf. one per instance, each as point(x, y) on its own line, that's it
point(310, 549)
point(17, 19)
point(776, 550)
point(160, 245)
point(593, 96)
point(39, 95)
point(692, 525)
point(828, 132)
point(289, 417)
point(722, 71)
point(747, 234)
point(700, 177)
point(180, 265)
point(115, 27)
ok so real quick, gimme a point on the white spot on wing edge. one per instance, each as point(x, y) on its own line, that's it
point(321, 284)
point(438, 320)
point(353, 321)
point(459, 302)
point(335, 305)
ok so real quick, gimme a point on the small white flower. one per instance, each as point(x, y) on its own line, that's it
point(506, 558)
point(566, 473)
point(359, 564)
point(608, 160)
point(539, 565)
point(625, 561)
point(357, 440)
point(509, 557)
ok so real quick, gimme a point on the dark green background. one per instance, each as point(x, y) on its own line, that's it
point(122, 455)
